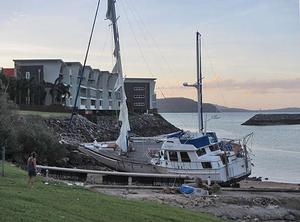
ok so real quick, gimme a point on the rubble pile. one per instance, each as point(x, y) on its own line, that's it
point(107, 127)
point(237, 206)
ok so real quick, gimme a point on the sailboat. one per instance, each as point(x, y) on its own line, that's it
point(200, 154)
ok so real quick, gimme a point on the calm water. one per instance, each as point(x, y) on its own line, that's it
point(276, 148)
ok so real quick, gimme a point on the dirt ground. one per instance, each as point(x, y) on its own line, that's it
point(232, 205)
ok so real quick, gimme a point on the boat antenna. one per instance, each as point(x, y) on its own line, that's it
point(198, 84)
point(84, 63)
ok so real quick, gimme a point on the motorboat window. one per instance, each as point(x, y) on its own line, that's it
point(214, 147)
point(201, 152)
point(206, 165)
point(185, 157)
point(173, 156)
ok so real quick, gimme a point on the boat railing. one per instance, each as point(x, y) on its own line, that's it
point(216, 167)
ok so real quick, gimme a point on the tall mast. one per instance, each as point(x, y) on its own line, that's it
point(198, 84)
point(123, 115)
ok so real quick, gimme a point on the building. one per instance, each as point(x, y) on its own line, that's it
point(140, 94)
point(9, 72)
point(59, 81)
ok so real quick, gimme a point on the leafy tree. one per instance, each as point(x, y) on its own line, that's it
point(22, 135)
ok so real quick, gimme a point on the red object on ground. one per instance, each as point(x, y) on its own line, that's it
point(9, 72)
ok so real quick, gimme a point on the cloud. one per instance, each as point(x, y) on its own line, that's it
point(259, 86)
point(291, 84)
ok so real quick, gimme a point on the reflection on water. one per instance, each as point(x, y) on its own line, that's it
point(276, 148)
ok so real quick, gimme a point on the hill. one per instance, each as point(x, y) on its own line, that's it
point(185, 105)
point(182, 105)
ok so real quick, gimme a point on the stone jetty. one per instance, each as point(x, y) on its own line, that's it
point(273, 119)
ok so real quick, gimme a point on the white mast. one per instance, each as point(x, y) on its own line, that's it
point(198, 84)
point(123, 116)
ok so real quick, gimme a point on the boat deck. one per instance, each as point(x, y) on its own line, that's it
point(141, 152)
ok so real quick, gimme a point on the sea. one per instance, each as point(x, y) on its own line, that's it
point(275, 149)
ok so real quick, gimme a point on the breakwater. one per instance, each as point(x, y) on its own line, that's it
point(273, 119)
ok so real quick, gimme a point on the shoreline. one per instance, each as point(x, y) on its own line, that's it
point(227, 204)
point(268, 184)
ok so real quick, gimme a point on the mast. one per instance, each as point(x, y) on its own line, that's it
point(198, 84)
point(123, 115)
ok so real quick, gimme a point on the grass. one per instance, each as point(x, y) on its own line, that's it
point(43, 114)
point(59, 202)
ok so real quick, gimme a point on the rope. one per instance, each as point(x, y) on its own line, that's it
point(135, 38)
point(146, 33)
point(84, 63)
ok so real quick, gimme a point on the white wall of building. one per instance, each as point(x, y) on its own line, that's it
point(97, 87)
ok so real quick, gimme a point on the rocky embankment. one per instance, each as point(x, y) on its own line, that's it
point(106, 129)
point(273, 119)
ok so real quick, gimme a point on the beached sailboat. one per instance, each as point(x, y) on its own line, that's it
point(199, 154)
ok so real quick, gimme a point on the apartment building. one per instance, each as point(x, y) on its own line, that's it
point(96, 89)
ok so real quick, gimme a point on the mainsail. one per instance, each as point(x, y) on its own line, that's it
point(119, 86)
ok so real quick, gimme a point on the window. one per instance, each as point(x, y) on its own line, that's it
point(185, 157)
point(110, 103)
point(100, 102)
point(119, 104)
point(214, 147)
point(93, 102)
point(27, 75)
point(138, 88)
point(173, 156)
point(138, 96)
point(201, 152)
point(206, 165)
point(109, 95)
point(138, 104)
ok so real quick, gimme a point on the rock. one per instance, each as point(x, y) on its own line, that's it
point(289, 217)
point(273, 119)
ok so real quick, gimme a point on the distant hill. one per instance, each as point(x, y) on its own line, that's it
point(182, 105)
point(227, 109)
point(289, 109)
point(185, 105)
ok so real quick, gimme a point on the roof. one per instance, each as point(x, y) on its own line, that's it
point(71, 63)
point(9, 72)
point(142, 78)
point(38, 60)
point(179, 147)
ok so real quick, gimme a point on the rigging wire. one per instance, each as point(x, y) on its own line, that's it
point(146, 33)
point(85, 60)
point(143, 31)
point(135, 38)
point(217, 77)
point(105, 43)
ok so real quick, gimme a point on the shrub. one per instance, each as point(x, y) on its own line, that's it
point(23, 135)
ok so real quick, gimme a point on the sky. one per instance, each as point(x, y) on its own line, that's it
point(250, 48)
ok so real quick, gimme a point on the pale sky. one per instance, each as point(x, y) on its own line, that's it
point(251, 48)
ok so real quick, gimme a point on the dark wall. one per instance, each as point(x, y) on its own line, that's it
point(30, 86)
point(36, 72)
point(137, 96)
